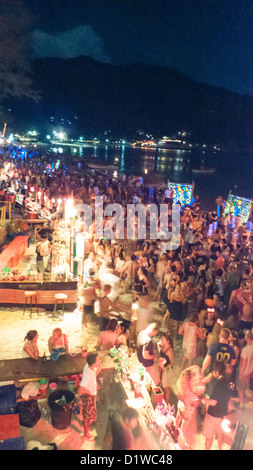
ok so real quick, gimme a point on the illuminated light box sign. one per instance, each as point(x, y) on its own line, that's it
point(239, 207)
point(182, 193)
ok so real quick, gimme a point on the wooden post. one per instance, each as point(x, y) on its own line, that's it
point(4, 129)
point(3, 213)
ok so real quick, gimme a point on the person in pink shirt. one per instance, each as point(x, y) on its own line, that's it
point(219, 263)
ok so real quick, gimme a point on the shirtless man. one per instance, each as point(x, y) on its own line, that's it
point(87, 297)
point(245, 316)
point(107, 306)
point(130, 270)
point(241, 299)
point(161, 266)
point(161, 269)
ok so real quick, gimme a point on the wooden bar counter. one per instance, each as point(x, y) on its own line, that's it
point(28, 368)
point(12, 293)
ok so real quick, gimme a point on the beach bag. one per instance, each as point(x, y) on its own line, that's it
point(29, 413)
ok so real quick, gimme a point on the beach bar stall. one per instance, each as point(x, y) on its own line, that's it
point(21, 284)
point(14, 294)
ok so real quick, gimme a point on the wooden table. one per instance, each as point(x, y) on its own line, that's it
point(148, 439)
point(28, 368)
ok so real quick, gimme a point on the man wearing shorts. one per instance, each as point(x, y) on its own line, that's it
point(221, 352)
point(221, 394)
point(145, 351)
point(88, 391)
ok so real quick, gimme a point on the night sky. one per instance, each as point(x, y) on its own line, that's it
point(210, 40)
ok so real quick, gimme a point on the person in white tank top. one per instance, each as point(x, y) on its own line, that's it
point(190, 331)
point(30, 348)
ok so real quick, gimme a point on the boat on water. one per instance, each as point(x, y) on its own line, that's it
point(203, 171)
point(168, 143)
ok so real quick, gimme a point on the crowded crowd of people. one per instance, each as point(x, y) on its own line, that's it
point(202, 292)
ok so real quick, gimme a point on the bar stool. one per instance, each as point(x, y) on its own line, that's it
point(59, 297)
point(29, 295)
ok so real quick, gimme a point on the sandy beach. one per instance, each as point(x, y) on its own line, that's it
point(13, 327)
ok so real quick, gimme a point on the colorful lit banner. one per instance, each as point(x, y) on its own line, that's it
point(239, 207)
point(181, 193)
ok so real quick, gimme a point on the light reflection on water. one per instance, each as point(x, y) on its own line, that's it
point(233, 172)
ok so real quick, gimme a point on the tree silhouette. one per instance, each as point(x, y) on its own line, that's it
point(15, 72)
